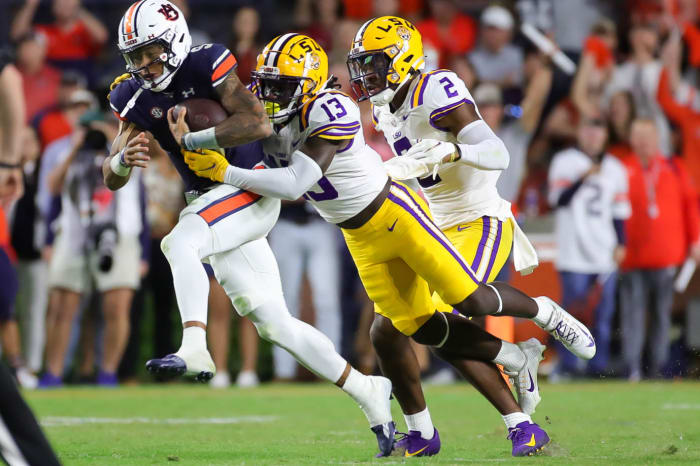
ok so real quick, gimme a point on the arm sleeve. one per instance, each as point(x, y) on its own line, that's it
point(481, 148)
point(568, 193)
point(619, 226)
point(288, 183)
point(558, 179)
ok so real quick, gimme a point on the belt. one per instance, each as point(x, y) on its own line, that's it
point(368, 212)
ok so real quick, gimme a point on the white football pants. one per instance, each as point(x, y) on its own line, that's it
point(311, 249)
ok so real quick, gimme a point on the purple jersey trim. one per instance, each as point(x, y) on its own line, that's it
point(443, 111)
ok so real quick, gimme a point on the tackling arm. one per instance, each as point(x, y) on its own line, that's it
point(305, 168)
point(247, 121)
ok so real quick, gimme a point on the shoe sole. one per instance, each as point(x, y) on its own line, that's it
point(172, 372)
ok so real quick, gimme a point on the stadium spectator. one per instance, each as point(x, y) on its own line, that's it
point(199, 36)
point(683, 114)
point(318, 19)
point(74, 38)
point(12, 117)
point(27, 234)
point(639, 75)
point(515, 133)
point(495, 59)
point(245, 43)
point(40, 80)
point(588, 189)
point(306, 245)
point(447, 30)
point(663, 230)
point(218, 335)
point(98, 239)
point(621, 114)
point(59, 121)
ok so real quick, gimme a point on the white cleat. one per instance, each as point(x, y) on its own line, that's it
point(525, 381)
point(222, 379)
point(247, 379)
point(199, 363)
point(376, 401)
point(26, 379)
point(568, 330)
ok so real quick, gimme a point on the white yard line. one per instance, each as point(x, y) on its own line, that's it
point(51, 421)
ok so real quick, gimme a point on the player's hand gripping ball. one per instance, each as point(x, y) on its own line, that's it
point(207, 163)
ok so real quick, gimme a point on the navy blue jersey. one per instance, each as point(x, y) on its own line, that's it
point(205, 67)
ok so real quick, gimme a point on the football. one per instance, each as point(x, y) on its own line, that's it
point(201, 113)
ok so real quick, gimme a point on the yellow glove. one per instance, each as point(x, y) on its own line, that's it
point(206, 163)
point(117, 81)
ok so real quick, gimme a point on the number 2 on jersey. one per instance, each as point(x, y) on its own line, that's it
point(403, 145)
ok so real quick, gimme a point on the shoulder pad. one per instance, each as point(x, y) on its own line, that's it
point(119, 96)
point(331, 114)
point(216, 59)
point(438, 93)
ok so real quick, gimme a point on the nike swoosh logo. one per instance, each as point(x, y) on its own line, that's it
point(532, 442)
point(590, 339)
point(393, 225)
point(532, 382)
point(461, 228)
point(417, 452)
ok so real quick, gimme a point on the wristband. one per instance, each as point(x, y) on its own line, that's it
point(205, 139)
point(118, 164)
point(10, 166)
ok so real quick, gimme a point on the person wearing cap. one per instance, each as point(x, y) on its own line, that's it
point(495, 59)
point(588, 190)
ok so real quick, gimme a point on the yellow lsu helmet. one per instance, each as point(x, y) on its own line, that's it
point(385, 53)
point(290, 70)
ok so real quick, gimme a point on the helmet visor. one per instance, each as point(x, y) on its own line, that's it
point(368, 72)
point(140, 59)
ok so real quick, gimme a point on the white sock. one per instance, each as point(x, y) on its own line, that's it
point(183, 247)
point(421, 422)
point(544, 313)
point(356, 384)
point(511, 357)
point(514, 419)
point(193, 338)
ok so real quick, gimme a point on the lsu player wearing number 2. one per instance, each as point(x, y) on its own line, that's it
point(318, 151)
point(439, 138)
point(221, 224)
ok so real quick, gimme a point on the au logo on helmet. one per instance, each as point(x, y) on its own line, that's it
point(169, 12)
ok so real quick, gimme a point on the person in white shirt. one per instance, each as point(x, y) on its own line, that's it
point(588, 189)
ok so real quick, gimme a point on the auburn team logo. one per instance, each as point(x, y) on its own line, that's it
point(169, 12)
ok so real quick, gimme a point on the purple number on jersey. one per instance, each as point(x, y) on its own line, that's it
point(338, 106)
point(448, 87)
point(328, 193)
point(403, 145)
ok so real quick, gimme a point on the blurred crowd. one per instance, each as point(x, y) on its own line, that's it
point(605, 164)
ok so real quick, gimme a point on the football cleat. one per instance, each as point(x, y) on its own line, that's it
point(412, 444)
point(199, 365)
point(525, 381)
point(385, 438)
point(568, 330)
point(528, 439)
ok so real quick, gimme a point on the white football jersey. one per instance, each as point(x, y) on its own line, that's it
point(355, 176)
point(459, 193)
point(584, 228)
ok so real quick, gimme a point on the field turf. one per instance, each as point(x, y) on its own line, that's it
point(603, 423)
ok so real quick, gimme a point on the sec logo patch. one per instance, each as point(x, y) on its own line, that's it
point(157, 112)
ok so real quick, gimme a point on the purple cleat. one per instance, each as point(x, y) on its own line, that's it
point(528, 438)
point(107, 379)
point(48, 380)
point(412, 444)
point(385, 438)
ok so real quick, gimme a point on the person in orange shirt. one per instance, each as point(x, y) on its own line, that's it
point(448, 31)
point(663, 230)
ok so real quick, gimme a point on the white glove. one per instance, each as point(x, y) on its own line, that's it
point(433, 153)
point(406, 168)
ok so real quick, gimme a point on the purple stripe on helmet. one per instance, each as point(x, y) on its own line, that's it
point(407, 208)
point(494, 252)
point(482, 243)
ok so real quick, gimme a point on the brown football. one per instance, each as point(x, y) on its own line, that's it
point(201, 113)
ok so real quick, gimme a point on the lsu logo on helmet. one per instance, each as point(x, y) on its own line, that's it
point(384, 54)
point(291, 69)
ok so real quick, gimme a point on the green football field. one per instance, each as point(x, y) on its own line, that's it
point(589, 423)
